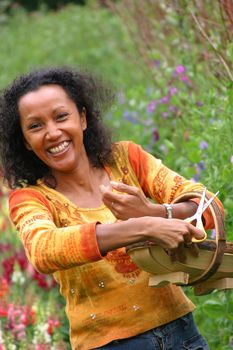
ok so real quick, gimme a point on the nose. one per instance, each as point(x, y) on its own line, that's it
point(52, 131)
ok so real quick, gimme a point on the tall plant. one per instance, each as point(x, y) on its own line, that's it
point(187, 48)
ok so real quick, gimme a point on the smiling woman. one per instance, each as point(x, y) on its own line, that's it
point(79, 89)
point(79, 200)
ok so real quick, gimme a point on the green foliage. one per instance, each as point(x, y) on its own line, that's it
point(214, 318)
point(73, 36)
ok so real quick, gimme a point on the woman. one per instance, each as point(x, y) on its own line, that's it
point(78, 200)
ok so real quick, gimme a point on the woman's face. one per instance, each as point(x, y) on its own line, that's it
point(53, 128)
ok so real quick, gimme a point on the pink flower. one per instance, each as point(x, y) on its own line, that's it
point(165, 115)
point(180, 69)
point(5, 247)
point(172, 91)
point(184, 78)
point(52, 323)
point(3, 311)
point(151, 106)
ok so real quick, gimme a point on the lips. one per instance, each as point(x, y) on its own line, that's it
point(59, 148)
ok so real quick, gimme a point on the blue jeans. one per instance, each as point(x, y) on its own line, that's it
point(181, 334)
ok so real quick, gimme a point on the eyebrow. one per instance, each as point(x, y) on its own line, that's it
point(54, 110)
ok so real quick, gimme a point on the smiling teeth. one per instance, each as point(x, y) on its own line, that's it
point(59, 148)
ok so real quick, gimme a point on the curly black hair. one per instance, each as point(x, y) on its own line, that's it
point(21, 166)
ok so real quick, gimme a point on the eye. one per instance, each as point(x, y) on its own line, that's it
point(62, 116)
point(34, 126)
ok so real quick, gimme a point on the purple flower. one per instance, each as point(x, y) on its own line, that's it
point(172, 91)
point(201, 165)
point(173, 109)
point(195, 178)
point(151, 106)
point(157, 63)
point(130, 118)
point(199, 104)
point(147, 122)
point(180, 70)
point(164, 115)
point(164, 99)
point(203, 145)
point(155, 134)
point(213, 234)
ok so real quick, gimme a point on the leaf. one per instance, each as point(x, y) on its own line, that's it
point(213, 308)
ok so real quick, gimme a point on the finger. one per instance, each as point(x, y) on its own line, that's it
point(108, 194)
point(197, 233)
point(114, 197)
point(121, 187)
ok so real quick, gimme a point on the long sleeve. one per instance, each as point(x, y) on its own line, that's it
point(48, 247)
point(161, 183)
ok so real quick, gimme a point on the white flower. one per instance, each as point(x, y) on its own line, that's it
point(12, 347)
point(41, 334)
point(18, 277)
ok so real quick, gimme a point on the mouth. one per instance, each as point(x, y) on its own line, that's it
point(58, 149)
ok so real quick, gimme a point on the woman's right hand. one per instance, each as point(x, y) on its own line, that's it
point(173, 235)
point(170, 233)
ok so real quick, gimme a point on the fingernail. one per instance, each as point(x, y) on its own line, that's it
point(114, 183)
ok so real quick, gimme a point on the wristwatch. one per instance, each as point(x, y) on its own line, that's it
point(168, 210)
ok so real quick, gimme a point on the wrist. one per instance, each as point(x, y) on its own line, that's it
point(169, 210)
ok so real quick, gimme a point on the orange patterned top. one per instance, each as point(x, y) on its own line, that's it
point(107, 297)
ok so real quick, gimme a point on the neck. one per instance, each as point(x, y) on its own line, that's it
point(81, 177)
point(82, 186)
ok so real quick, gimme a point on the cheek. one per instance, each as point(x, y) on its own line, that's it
point(27, 145)
point(32, 144)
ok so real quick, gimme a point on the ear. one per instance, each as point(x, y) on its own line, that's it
point(83, 119)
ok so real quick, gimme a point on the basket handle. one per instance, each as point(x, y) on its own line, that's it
point(220, 239)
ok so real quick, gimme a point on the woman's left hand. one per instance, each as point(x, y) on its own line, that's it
point(128, 202)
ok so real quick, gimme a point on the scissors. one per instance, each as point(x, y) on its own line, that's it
point(197, 216)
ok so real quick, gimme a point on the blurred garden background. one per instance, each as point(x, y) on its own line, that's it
point(170, 63)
